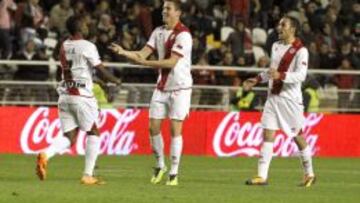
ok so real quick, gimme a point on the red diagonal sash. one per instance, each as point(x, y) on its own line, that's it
point(168, 46)
point(285, 64)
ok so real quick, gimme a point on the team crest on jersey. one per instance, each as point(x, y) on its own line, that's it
point(292, 50)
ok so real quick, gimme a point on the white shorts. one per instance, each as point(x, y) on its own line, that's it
point(77, 111)
point(172, 104)
point(282, 113)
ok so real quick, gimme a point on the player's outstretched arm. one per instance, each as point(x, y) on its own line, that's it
point(144, 53)
point(106, 75)
point(163, 63)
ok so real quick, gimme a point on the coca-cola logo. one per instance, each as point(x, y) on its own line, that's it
point(41, 128)
point(234, 138)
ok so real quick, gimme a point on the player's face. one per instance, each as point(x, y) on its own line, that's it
point(170, 13)
point(284, 29)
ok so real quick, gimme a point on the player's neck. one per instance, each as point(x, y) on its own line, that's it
point(171, 25)
point(289, 40)
point(76, 36)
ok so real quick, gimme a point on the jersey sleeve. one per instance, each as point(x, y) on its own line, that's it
point(301, 66)
point(151, 43)
point(92, 55)
point(183, 44)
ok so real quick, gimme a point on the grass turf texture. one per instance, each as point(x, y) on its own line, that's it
point(203, 179)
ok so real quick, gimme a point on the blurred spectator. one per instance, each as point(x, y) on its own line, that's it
point(245, 99)
point(346, 51)
point(145, 19)
point(5, 28)
point(307, 35)
point(240, 41)
point(225, 77)
point(327, 58)
point(29, 17)
point(265, 11)
point(59, 14)
point(198, 50)
point(314, 57)
point(34, 72)
point(102, 7)
point(263, 62)
point(311, 99)
point(79, 7)
point(106, 25)
point(345, 82)
point(328, 37)
point(238, 10)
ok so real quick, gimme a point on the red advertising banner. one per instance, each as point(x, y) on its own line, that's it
point(30, 130)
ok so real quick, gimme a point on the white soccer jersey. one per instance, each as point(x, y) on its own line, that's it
point(178, 41)
point(295, 74)
point(78, 57)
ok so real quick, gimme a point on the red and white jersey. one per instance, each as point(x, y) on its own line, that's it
point(291, 60)
point(78, 57)
point(178, 41)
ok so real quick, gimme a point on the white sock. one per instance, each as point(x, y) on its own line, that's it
point(157, 144)
point(306, 161)
point(91, 153)
point(175, 154)
point(266, 154)
point(59, 144)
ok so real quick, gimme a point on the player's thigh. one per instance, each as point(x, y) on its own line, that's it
point(67, 117)
point(158, 105)
point(87, 113)
point(269, 118)
point(291, 117)
point(179, 105)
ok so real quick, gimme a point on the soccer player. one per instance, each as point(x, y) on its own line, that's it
point(283, 108)
point(78, 109)
point(171, 98)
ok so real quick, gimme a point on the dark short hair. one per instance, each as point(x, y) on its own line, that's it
point(177, 4)
point(73, 24)
point(294, 23)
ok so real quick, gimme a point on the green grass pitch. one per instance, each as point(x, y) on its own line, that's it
point(203, 179)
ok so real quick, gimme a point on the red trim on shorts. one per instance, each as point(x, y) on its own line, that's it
point(285, 64)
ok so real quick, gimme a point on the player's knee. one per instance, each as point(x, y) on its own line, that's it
point(154, 130)
point(71, 135)
point(94, 131)
point(269, 136)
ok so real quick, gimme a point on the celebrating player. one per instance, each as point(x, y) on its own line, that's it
point(283, 108)
point(171, 98)
point(77, 106)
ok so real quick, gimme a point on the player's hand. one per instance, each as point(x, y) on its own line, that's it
point(274, 74)
point(116, 49)
point(249, 83)
point(138, 60)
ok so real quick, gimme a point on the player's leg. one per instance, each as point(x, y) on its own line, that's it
point(87, 116)
point(60, 143)
point(306, 161)
point(270, 124)
point(157, 112)
point(266, 154)
point(179, 107)
point(176, 146)
point(91, 153)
